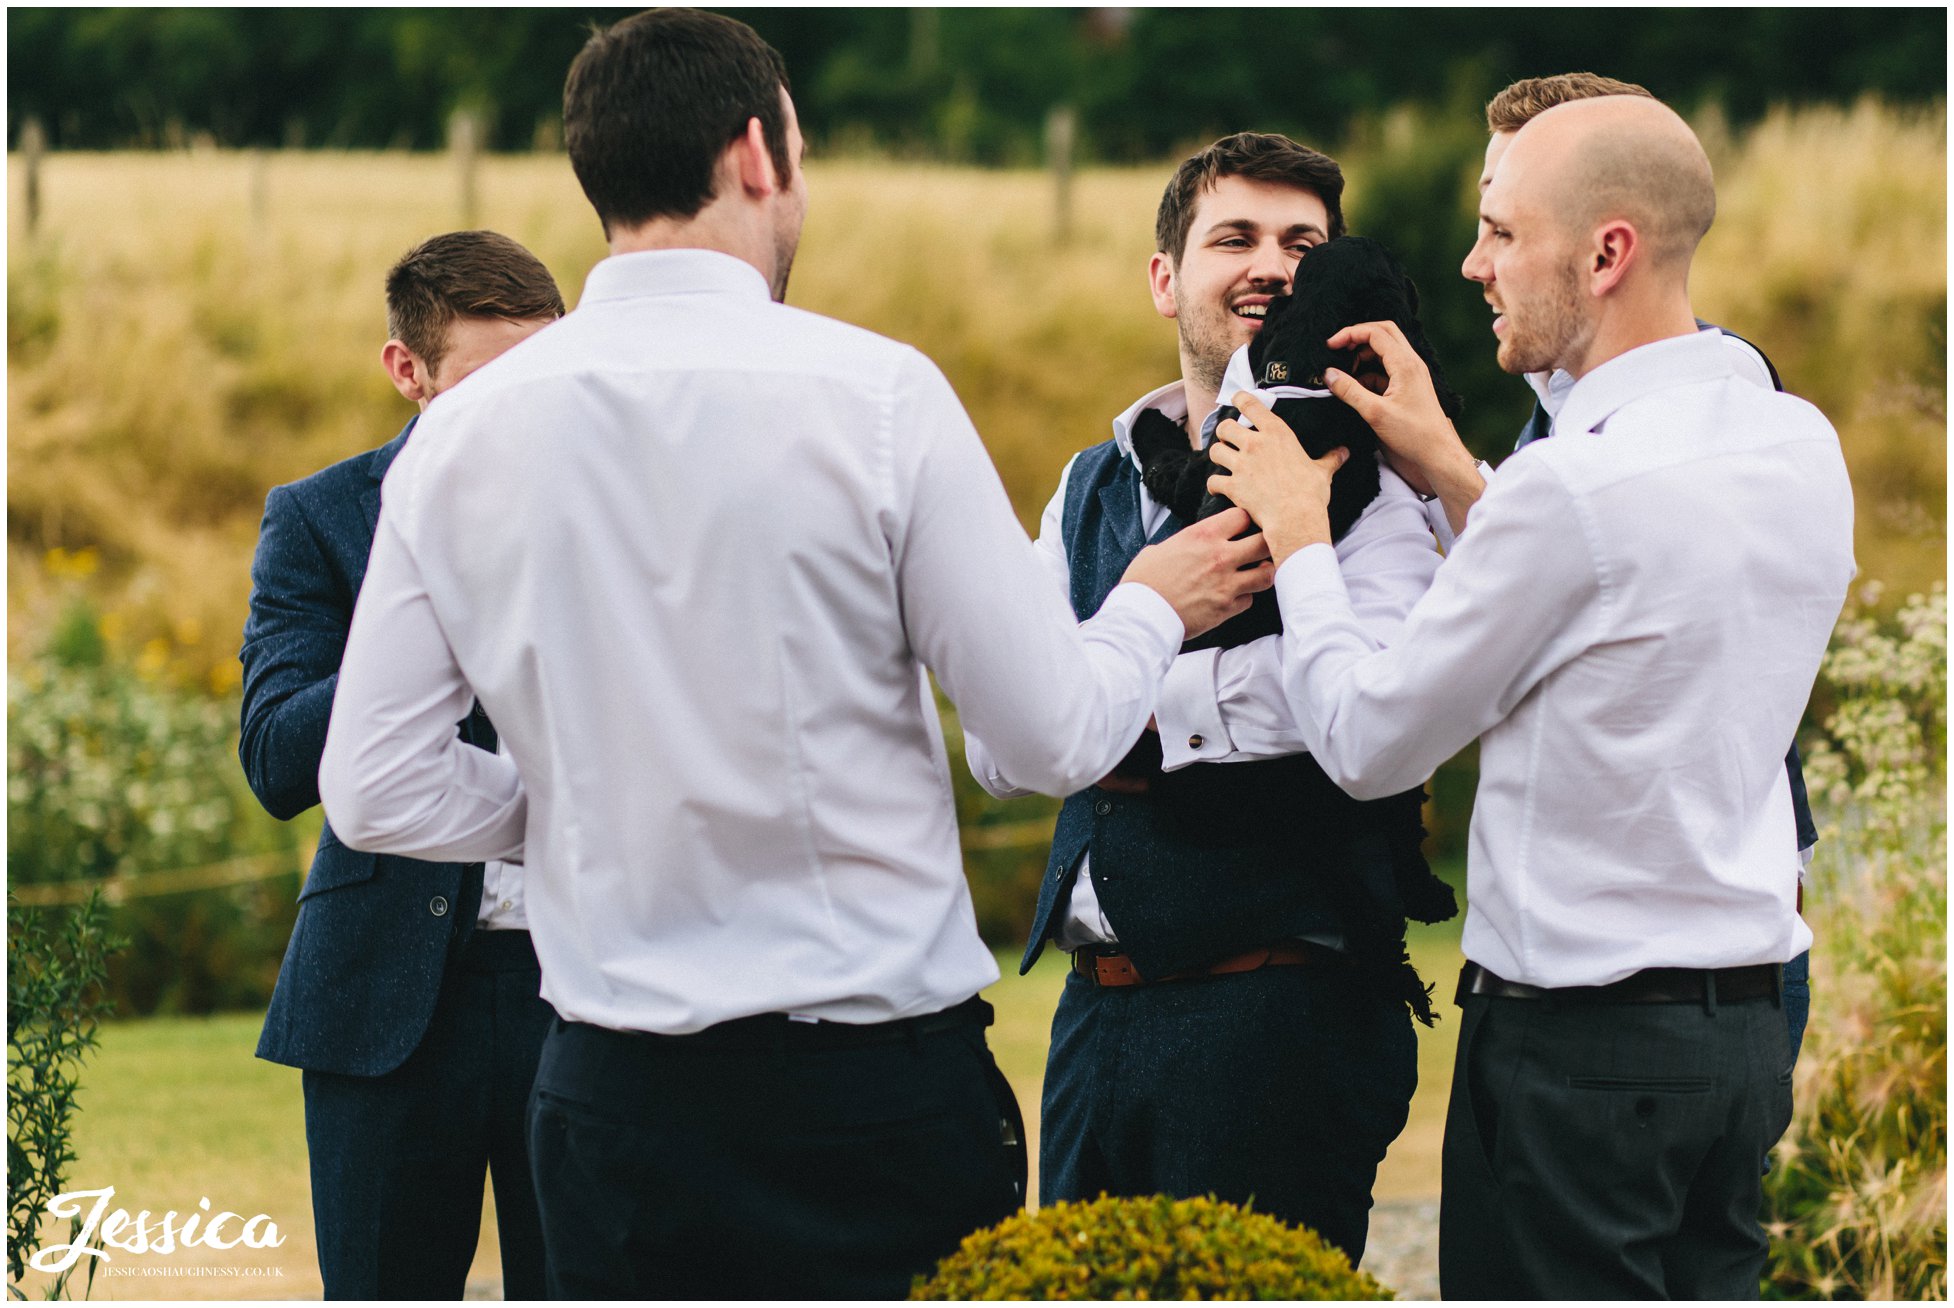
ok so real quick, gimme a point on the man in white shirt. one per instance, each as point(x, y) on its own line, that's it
point(1632, 635)
point(1236, 1019)
point(692, 550)
point(1506, 113)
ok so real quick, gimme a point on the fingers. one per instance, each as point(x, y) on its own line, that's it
point(1333, 460)
point(1383, 337)
point(1351, 392)
point(1226, 525)
point(1266, 424)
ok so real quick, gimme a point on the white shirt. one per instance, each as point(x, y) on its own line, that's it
point(1226, 706)
point(1551, 389)
point(1632, 635)
point(692, 550)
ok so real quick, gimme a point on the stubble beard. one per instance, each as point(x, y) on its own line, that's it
point(1207, 353)
point(1555, 334)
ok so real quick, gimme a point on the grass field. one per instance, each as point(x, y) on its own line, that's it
point(175, 1110)
point(187, 330)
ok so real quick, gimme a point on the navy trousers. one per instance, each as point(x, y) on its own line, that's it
point(770, 1159)
point(1281, 1087)
point(398, 1160)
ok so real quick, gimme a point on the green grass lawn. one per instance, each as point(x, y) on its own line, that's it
point(175, 1110)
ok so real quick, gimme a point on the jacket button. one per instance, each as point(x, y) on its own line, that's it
point(438, 906)
point(1196, 741)
point(1103, 807)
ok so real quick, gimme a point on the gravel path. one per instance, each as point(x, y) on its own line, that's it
point(1402, 1249)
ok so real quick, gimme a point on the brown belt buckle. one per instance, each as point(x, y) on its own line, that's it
point(1107, 969)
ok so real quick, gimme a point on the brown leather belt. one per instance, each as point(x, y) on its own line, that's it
point(1654, 985)
point(1118, 970)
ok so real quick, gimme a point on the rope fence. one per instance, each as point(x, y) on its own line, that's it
point(263, 867)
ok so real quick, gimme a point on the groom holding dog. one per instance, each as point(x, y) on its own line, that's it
point(1236, 1019)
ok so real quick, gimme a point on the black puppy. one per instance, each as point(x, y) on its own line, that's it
point(1338, 284)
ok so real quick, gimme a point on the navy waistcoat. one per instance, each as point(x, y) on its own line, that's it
point(1214, 859)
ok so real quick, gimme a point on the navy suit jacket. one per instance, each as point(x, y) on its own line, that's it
point(374, 932)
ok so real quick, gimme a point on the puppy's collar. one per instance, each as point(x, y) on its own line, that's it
point(1269, 395)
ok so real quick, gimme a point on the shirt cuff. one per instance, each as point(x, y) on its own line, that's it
point(1148, 607)
point(1189, 712)
point(1309, 573)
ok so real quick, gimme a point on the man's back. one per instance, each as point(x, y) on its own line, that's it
point(690, 549)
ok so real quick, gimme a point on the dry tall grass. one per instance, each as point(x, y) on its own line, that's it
point(172, 353)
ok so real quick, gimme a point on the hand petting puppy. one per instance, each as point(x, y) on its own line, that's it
point(1274, 478)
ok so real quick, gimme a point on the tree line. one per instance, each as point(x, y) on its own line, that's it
point(967, 85)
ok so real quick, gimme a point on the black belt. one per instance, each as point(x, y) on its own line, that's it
point(1653, 985)
point(777, 1030)
point(497, 951)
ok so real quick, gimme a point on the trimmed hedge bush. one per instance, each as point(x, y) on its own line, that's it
point(1146, 1248)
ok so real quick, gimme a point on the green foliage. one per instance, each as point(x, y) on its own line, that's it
point(116, 780)
point(110, 776)
point(970, 84)
point(1146, 1248)
point(1858, 1194)
point(54, 1003)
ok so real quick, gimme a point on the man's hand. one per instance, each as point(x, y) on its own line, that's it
point(1420, 440)
point(1204, 572)
point(1274, 478)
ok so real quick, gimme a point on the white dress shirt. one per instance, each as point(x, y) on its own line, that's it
point(1632, 634)
point(692, 550)
point(1229, 705)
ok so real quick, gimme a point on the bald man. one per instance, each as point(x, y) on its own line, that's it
point(1632, 635)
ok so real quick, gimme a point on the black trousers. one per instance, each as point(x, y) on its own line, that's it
point(1610, 1151)
point(398, 1160)
point(1282, 1087)
point(770, 1159)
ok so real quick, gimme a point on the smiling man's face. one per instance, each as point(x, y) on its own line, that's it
point(1242, 248)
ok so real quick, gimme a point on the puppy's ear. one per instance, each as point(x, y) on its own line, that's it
point(1411, 293)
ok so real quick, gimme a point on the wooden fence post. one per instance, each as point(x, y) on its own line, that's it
point(1061, 132)
point(260, 186)
point(33, 145)
point(464, 141)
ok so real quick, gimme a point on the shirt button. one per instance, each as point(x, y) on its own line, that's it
point(508, 904)
point(1103, 807)
point(438, 906)
point(1196, 741)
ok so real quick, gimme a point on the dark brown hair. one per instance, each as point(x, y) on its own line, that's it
point(464, 275)
point(651, 103)
point(1528, 98)
point(1262, 156)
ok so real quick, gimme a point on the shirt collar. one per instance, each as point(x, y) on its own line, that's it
point(1170, 399)
point(1659, 366)
point(673, 272)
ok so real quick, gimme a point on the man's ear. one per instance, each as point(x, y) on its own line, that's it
point(1615, 248)
point(1160, 281)
point(406, 371)
point(753, 162)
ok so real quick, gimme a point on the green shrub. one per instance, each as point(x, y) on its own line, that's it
point(1146, 1248)
point(117, 781)
point(1857, 1196)
point(54, 1003)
